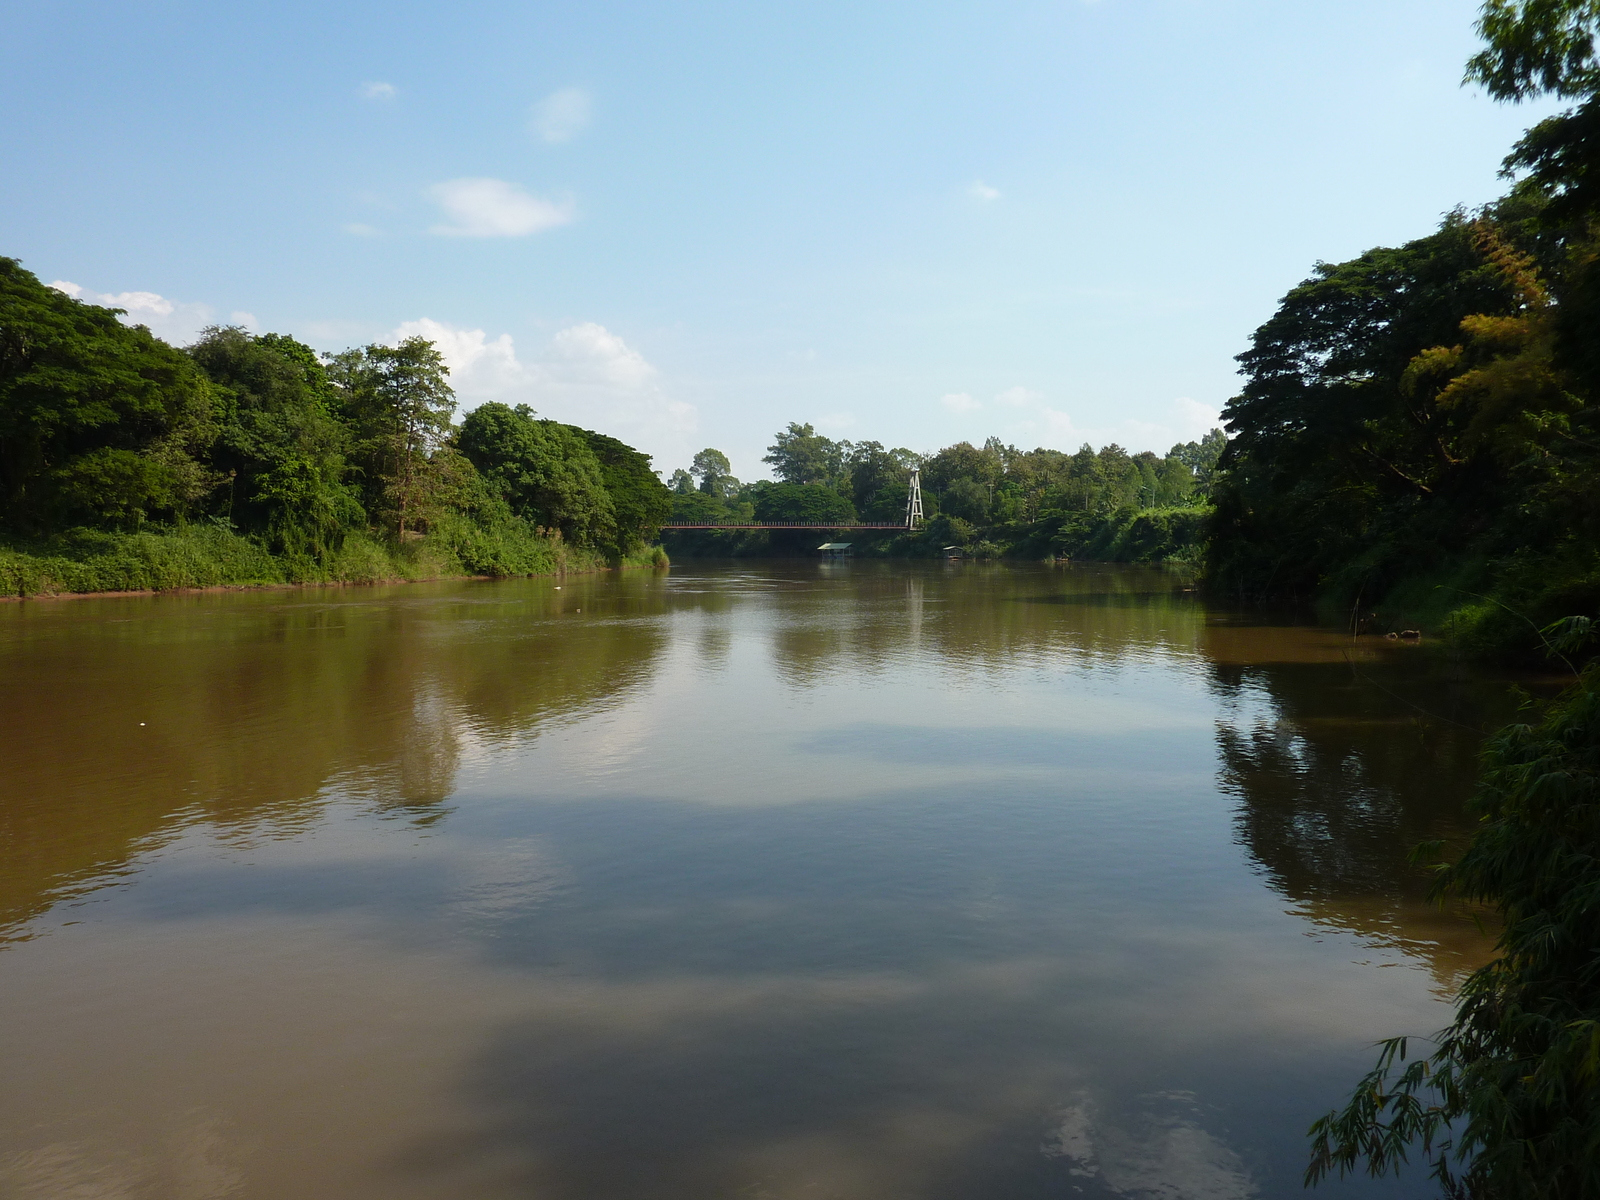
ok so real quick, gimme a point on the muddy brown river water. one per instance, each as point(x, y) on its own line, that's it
point(793, 881)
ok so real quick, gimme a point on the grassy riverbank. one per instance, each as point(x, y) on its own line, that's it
point(87, 561)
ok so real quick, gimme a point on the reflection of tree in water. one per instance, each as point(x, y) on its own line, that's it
point(1352, 768)
point(984, 618)
point(257, 709)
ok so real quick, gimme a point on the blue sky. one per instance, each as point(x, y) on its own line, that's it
point(688, 224)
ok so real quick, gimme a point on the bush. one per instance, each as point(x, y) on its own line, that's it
point(93, 561)
point(216, 556)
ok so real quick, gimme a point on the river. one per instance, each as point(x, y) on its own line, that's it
point(833, 881)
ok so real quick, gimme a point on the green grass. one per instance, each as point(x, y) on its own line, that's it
point(201, 556)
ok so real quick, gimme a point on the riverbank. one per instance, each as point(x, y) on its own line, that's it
point(1146, 536)
point(216, 558)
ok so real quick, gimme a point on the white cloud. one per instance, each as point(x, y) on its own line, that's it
point(480, 369)
point(1019, 397)
point(979, 190)
point(338, 332)
point(376, 90)
point(562, 116)
point(1159, 1148)
point(1030, 419)
point(585, 375)
point(495, 208)
point(1036, 419)
point(1195, 420)
point(170, 320)
point(358, 229)
point(247, 319)
point(465, 351)
point(592, 354)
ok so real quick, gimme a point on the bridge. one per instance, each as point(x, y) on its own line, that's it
point(900, 525)
point(913, 517)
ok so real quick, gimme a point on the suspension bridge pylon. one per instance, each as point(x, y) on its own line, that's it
point(914, 500)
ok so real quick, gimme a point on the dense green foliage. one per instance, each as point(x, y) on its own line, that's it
point(813, 503)
point(544, 470)
point(1441, 398)
point(640, 501)
point(991, 500)
point(126, 463)
point(281, 446)
point(100, 424)
point(1417, 431)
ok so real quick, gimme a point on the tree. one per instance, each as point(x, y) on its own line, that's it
point(639, 498)
point(681, 483)
point(700, 508)
point(964, 461)
point(1120, 477)
point(801, 455)
point(1201, 458)
point(715, 473)
point(878, 479)
point(1030, 477)
point(1345, 449)
point(400, 400)
point(968, 499)
point(1537, 46)
point(100, 423)
point(545, 471)
point(278, 446)
point(1175, 482)
point(807, 503)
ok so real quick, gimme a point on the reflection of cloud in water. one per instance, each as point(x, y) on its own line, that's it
point(505, 880)
point(1158, 1153)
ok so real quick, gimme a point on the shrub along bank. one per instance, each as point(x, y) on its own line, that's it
point(158, 559)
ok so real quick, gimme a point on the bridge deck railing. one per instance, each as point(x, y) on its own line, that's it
point(788, 525)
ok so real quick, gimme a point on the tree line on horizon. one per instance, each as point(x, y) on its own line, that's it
point(969, 492)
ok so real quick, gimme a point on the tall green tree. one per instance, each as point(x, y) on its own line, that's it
point(715, 473)
point(878, 479)
point(400, 402)
point(800, 454)
point(1346, 454)
point(1201, 458)
point(963, 461)
point(810, 503)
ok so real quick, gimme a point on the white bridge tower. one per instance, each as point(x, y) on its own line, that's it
point(914, 500)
